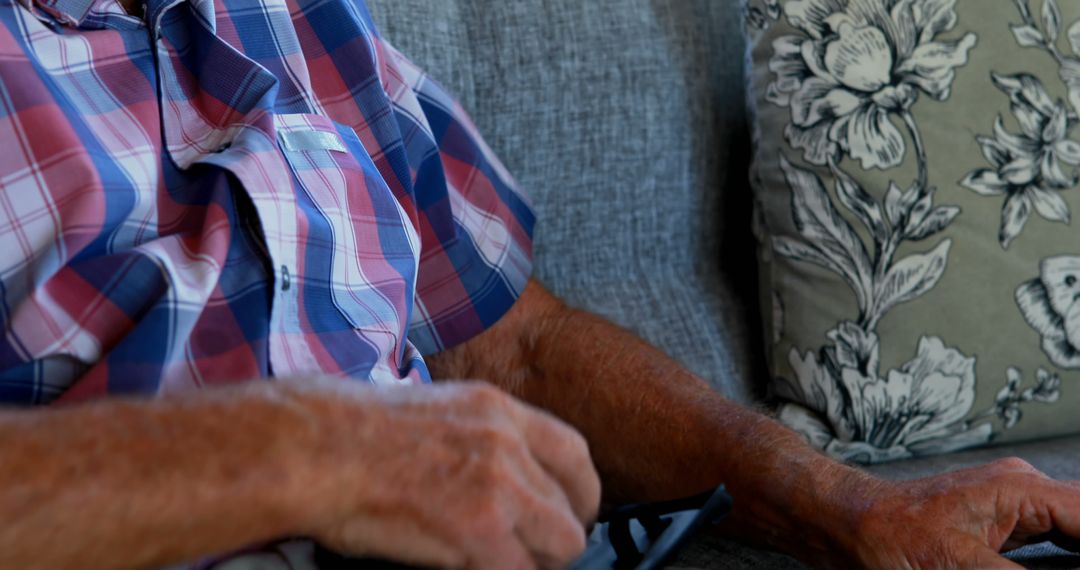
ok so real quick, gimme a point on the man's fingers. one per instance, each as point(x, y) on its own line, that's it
point(564, 454)
point(547, 525)
point(983, 558)
point(550, 553)
point(1063, 503)
point(971, 553)
point(502, 551)
point(400, 539)
point(1055, 516)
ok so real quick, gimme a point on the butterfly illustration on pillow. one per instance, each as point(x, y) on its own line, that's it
point(1051, 304)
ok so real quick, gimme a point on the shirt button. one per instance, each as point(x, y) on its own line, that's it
point(286, 280)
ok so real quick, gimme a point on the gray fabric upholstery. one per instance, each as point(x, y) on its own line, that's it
point(1058, 458)
point(624, 120)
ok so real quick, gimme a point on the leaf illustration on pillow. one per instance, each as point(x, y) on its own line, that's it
point(1051, 305)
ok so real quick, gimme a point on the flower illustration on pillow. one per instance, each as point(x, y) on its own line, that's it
point(856, 62)
point(856, 415)
point(1028, 169)
point(1051, 305)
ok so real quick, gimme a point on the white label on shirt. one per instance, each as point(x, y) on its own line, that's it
point(300, 141)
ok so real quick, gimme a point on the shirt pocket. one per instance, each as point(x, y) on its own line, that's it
point(357, 240)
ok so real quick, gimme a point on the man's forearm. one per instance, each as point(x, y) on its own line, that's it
point(660, 432)
point(134, 484)
point(655, 430)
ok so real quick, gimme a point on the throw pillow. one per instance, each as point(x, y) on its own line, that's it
point(915, 178)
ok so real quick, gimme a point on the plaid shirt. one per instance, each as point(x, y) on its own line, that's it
point(238, 189)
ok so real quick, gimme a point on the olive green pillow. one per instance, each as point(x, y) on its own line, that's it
point(915, 177)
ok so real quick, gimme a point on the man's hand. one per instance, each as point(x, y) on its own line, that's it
point(963, 519)
point(456, 476)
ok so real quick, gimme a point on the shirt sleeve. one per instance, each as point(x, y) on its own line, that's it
point(474, 223)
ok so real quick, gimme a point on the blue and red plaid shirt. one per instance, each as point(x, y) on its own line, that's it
point(234, 189)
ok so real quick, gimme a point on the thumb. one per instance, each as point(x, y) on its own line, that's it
point(982, 557)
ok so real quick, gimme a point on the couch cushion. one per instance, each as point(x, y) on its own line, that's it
point(1058, 458)
point(625, 121)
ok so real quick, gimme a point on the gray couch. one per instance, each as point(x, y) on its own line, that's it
point(625, 120)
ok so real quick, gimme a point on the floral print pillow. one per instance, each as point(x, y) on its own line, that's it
point(915, 174)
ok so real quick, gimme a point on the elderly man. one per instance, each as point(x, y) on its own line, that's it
point(197, 193)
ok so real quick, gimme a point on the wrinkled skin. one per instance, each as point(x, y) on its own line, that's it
point(964, 518)
point(459, 476)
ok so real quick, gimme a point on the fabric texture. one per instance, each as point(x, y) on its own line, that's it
point(915, 174)
point(300, 198)
point(625, 122)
